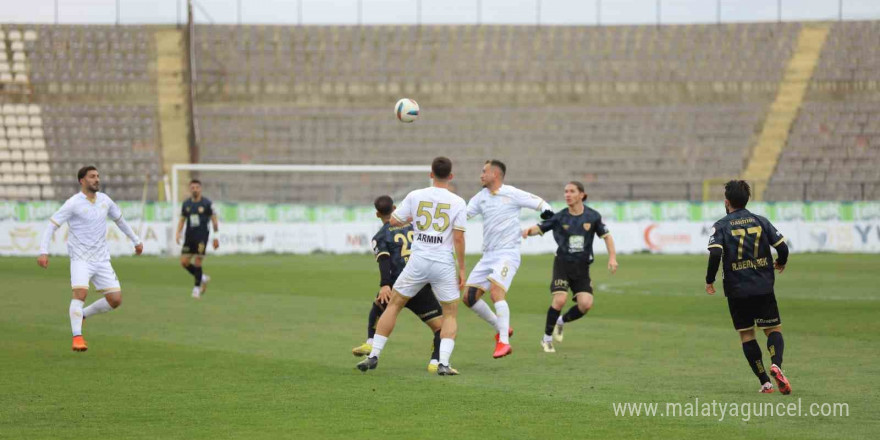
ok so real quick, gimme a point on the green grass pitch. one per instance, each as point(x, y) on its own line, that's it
point(266, 354)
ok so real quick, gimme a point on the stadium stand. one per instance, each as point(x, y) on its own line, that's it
point(636, 112)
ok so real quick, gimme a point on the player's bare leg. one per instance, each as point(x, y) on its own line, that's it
point(435, 325)
point(752, 351)
point(499, 295)
point(203, 279)
point(584, 302)
point(383, 330)
point(553, 331)
point(776, 346)
point(448, 332)
point(76, 318)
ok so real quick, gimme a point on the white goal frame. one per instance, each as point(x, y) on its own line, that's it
point(285, 168)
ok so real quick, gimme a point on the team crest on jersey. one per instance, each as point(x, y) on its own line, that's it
point(201, 209)
point(565, 227)
point(587, 226)
point(186, 209)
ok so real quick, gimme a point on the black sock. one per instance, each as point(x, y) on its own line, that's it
point(753, 354)
point(190, 268)
point(197, 273)
point(573, 314)
point(552, 316)
point(776, 347)
point(375, 313)
point(435, 356)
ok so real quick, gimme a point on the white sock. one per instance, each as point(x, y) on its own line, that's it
point(204, 277)
point(559, 321)
point(547, 338)
point(378, 345)
point(446, 346)
point(370, 341)
point(483, 311)
point(503, 325)
point(76, 317)
point(97, 307)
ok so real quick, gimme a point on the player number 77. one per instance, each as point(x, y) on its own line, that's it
point(741, 233)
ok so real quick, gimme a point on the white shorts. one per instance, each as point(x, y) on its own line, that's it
point(498, 267)
point(421, 271)
point(100, 273)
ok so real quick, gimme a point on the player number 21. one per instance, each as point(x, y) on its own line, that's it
point(440, 213)
point(741, 233)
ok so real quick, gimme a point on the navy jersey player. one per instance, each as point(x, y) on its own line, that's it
point(195, 214)
point(573, 229)
point(391, 245)
point(741, 243)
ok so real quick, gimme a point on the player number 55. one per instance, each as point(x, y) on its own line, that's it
point(440, 213)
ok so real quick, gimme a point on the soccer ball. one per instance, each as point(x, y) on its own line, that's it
point(407, 110)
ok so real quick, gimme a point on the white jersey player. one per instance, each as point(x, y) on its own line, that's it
point(439, 220)
point(86, 215)
point(500, 206)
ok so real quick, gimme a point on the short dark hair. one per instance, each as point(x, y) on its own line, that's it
point(498, 164)
point(195, 181)
point(441, 167)
point(384, 205)
point(580, 187)
point(83, 171)
point(737, 192)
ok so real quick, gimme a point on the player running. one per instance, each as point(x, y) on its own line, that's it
point(743, 240)
point(86, 215)
point(500, 205)
point(391, 245)
point(439, 221)
point(195, 213)
point(573, 229)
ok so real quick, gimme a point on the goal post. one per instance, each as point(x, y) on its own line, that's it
point(284, 168)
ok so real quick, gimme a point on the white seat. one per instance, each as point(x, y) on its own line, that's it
point(9, 120)
point(34, 109)
point(5, 77)
point(2, 36)
point(27, 144)
point(43, 156)
point(37, 133)
point(18, 167)
point(43, 168)
point(4, 155)
point(24, 132)
point(4, 66)
point(30, 35)
point(17, 46)
point(39, 143)
point(12, 132)
point(34, 191)
point(20, 109)
point(36, 121)
point(5, 167)
point(15, 143)
point(8, 109)
point(20, 78)
point(44, 179)
point(15, 35)
point(4, 144)
point(19, 56)
point(3, 56)
point(31, 179)
point(22, 120)
point(29, 155)
point(48, 192)
point(3, 193)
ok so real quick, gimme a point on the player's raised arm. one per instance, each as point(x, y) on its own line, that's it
point(55, 222)
point(116, 215)
point(528, 200)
